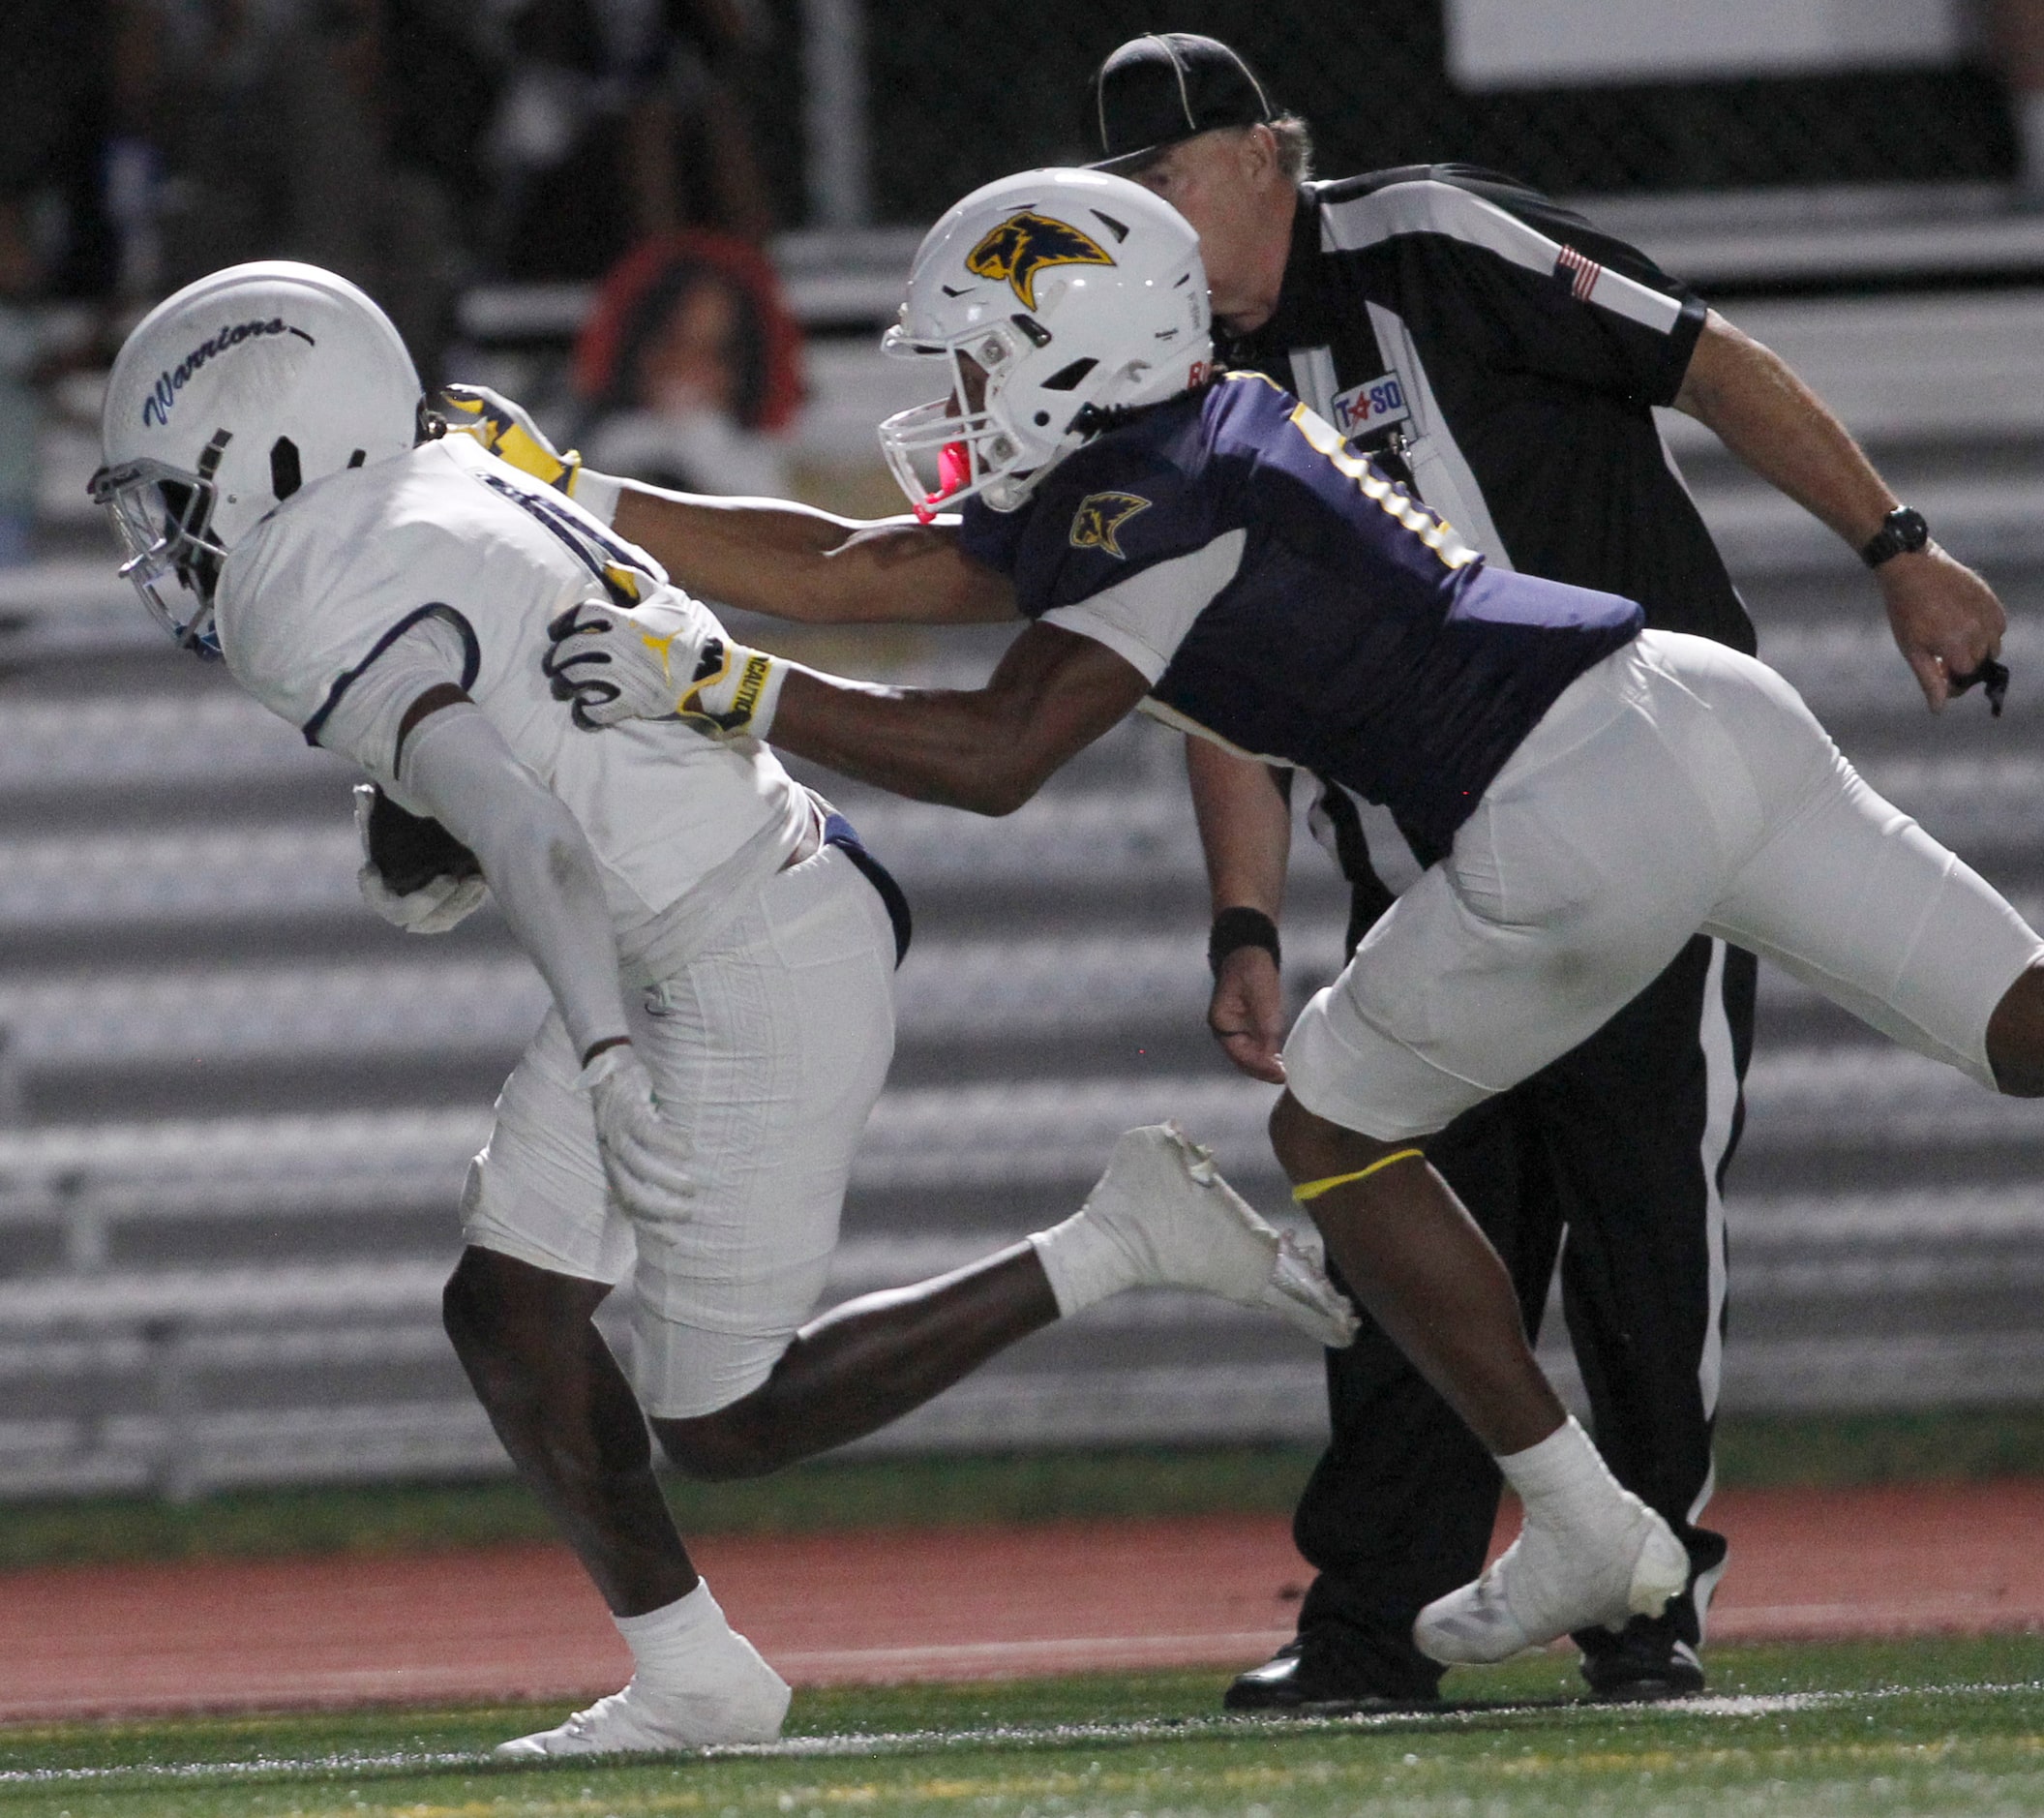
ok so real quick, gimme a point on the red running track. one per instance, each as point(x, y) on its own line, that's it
point(960, 1603)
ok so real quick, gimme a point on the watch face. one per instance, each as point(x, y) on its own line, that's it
point(1903, 531)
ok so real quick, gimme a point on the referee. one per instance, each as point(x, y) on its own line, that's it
point(1500, 356)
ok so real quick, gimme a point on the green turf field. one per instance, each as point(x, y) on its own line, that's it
point(1920, 1727)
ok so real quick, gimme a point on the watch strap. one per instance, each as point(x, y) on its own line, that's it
point(1903, 531)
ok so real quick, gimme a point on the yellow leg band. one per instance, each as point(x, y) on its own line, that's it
point(1313, 1188)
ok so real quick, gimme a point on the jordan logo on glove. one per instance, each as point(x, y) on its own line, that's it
point(731, 692)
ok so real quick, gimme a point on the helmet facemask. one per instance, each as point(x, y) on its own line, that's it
point(163, 516)
point(942, 452)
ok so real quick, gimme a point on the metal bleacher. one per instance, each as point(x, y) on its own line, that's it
point(235, 1109)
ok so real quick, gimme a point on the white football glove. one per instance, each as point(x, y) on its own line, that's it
point(665, 658)
point(643, 1154)
point(433, 908)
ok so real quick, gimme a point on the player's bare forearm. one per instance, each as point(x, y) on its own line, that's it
point(1245, 827)
point(793, 562)
point(1245, 830)
point(1945, 618)
point(987, 750)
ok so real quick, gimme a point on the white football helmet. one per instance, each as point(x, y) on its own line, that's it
point(227, 399)
point(1076, 293)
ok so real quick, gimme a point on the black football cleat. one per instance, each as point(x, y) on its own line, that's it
point(1643, 1664)
point(1303, 1681)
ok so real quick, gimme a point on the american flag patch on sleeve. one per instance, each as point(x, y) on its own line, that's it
point(1579, 273)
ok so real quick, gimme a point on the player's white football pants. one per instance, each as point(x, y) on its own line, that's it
point(768, 1053)
point(1675, 787)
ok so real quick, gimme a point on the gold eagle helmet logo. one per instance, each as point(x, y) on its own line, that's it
point(1024, 244)
point(1100, 516)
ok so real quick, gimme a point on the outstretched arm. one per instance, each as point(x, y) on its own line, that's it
point(987, 750)
point(791, 561)
point(1945, 618)
point(764, 555)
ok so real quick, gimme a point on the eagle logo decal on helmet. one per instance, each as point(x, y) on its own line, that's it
point(1100, 516)
point(1024, 244)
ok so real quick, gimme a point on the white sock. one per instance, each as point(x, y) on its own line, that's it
point(1084, 1264)
point(1562, 1477)
point(667, 1643)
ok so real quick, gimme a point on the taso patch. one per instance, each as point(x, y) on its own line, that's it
point(1374, 404)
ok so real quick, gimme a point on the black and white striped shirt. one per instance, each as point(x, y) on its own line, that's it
point(1506, 356)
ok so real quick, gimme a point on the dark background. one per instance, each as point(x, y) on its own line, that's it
point(998, 89)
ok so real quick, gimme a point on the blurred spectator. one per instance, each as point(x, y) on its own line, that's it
point(690, 368)
point(250, 128)
point(20, 413)
point(200, 162)
point(2019, 41)
point(356, 205)
point(52, 100)
point(618, 123)
point(442, 66)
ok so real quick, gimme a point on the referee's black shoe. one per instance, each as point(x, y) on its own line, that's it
point(1645, 1663)
point(1308, 1679)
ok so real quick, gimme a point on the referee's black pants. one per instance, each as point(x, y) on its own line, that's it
point(1618, 1148)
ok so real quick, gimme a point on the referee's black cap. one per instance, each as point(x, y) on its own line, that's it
point(1167, 86)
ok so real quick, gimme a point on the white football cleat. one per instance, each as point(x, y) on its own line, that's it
point(1545, 1585)
point(1165, 1207)
point(745, 1704)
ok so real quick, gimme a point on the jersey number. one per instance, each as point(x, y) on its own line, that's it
point(1432, 530)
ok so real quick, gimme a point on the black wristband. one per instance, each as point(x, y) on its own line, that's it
point(1241, 928)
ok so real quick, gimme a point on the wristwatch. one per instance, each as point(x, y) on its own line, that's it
point(1903, 531)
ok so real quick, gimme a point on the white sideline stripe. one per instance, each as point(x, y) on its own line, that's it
point(857, 1744)
point(1431, 207)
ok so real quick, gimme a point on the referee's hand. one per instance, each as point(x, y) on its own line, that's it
point(1246, 1014)
point(1945, 618)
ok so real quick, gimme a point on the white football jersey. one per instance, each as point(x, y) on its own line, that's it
point(451, 537)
